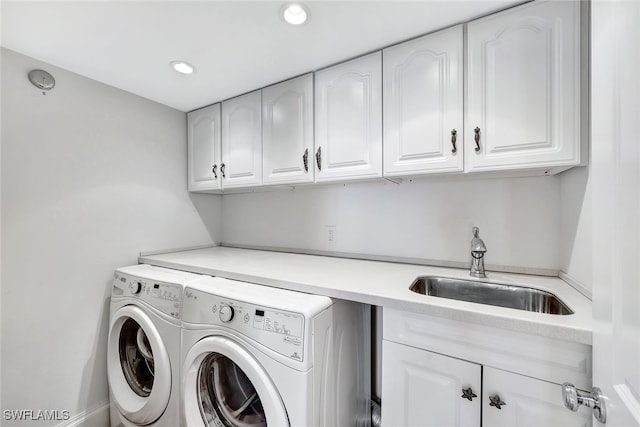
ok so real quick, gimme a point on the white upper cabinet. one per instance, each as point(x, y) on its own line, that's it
point(287, 132)
point(348, 112)
point(423, 105)
point(523, 95)
point(203, 149)
point(523, 109)
point(242, 141)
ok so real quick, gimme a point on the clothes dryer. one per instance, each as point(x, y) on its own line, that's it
point(256, 356)
point(143, 350)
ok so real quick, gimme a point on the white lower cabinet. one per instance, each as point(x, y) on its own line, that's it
point(528, 402)
point(444, 373)
point(421, 388)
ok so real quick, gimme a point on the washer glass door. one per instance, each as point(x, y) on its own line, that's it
point(138, 366)
point(136, 358)
point(226, 394)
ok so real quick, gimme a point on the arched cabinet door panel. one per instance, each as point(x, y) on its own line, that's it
point(348, 127)
point(242, 141)
point(423, 105)
point(203, 149)
point(287, 132)
point(524, 88)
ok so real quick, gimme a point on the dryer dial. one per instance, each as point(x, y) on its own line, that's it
point(226, 313)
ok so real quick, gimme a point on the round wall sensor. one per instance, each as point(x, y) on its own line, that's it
point(41, 79)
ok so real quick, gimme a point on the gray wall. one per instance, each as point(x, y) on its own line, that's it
point(519, 219)
point(576, 228)
point(91, 175)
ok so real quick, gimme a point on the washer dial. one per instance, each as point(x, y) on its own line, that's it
point(135, 287)
point(226, 313)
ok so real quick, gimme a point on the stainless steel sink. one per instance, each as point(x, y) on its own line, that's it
point(518, 297)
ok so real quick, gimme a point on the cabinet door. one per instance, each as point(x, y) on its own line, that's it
point(242, 141)
point(203, 149)
point(287, 132)
point(528, 402)
point(524, 88)
point(420, 388)
point(348, 115)
point(423, 105)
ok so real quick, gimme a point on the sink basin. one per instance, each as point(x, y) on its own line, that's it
point(510, 296)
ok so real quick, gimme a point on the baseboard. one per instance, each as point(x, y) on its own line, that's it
point(96, 417)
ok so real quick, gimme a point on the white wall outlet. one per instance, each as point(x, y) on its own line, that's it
point(330, 234)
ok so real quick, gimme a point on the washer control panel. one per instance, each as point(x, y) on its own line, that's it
point(279, 330)
point(279, 322)
point(165, 297)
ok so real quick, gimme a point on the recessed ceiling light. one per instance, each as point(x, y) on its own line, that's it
point(295, 13)
point(183, 67)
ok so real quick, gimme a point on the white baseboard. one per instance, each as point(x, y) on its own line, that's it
point(95, 417)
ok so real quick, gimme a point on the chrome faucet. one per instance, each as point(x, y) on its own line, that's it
point(478, 249)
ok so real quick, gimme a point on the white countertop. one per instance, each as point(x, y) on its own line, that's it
point(385, 284)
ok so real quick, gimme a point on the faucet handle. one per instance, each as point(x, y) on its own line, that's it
point(477, 244)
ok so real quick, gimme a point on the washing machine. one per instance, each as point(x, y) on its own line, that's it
point(256, 356)
point(143, 350)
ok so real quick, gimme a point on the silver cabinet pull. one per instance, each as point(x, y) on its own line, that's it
point(305, 160)
point(454, 134)
point(222, 170)
point(496, 401)
point(477, 138)
point(468, 394)
point(574, 398)
point(319, 158)
point(214, 169)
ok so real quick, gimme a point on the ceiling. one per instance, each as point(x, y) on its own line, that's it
point(236, 46)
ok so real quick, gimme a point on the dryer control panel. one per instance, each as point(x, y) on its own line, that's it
point(165, 297)
point(279, 330)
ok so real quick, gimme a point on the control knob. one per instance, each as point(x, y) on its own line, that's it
point(135, 287)
point(226, 313)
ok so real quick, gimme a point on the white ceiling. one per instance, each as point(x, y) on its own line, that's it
point(236, 46)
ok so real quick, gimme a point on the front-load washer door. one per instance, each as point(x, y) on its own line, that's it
point(138, 366)
point(224, 385)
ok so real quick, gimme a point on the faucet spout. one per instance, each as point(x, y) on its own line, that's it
point(478, 249)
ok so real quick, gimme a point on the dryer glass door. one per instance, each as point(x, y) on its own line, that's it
point(226, 393)
point(225, 385)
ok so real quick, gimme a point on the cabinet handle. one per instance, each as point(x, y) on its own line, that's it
point(214, 169)
point(305, 160)
point(468, 394)
point(454, 134)
point(222, 170)
point(574, 398)
point(319, 158)
point(477, 138)
point(496, 401)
